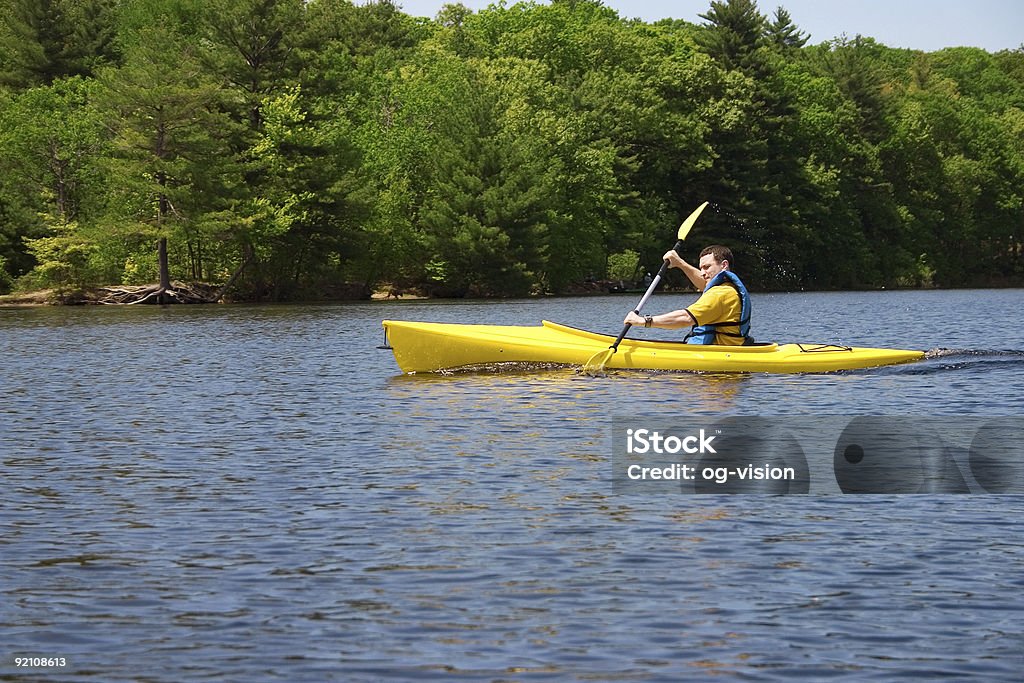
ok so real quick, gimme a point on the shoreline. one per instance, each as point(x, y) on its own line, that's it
point(43, 297)
point(88, 296)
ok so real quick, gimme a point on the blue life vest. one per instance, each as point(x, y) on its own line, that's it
point(705, 334)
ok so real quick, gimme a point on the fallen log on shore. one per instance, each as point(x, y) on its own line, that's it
point(175, 293)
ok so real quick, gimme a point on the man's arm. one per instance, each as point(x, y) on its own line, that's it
point(668, 321)
point(692, 274)
point(712, 306)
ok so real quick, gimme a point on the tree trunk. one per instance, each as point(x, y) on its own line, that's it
point(166, 292)
point(165, 273)
point(249, 255)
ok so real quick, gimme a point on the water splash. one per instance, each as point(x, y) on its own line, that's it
point(973, 353)
point(757, 243)
point(940, 360)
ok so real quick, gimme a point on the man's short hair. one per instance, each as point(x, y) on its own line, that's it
point(721, 253)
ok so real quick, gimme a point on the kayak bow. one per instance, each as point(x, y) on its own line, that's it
point(428, 347)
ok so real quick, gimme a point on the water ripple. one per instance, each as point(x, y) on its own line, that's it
point(246, 493)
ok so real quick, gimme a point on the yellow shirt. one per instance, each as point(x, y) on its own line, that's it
point(720, 303)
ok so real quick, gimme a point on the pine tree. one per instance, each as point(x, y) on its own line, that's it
point(45, 40)
point(756, 164)
point(783, 34)
point(734, 34)
point(170, 167)
point(32, 36)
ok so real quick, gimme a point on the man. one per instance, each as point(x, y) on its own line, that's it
point(722, 313)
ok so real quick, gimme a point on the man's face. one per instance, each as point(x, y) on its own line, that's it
point(709, 267)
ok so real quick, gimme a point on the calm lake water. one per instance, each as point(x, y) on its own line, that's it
point(255, 493)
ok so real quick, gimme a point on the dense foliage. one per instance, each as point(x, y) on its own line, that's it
point(325, 148)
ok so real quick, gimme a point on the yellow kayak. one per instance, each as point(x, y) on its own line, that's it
point(428, 347)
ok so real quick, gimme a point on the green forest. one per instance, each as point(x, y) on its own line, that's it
point(319, 149)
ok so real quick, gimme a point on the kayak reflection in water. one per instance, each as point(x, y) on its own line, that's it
point(722, 313)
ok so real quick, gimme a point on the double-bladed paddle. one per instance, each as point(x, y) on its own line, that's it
point(597, 362)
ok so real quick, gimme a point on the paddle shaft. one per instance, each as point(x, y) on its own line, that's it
point(646, 296)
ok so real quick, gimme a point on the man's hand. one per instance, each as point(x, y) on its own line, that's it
point(674, 259)
point(634, 318)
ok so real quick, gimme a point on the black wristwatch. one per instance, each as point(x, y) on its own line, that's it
point(648, 320)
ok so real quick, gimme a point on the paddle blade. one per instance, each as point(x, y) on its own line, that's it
point(595, 366)
point(684, 229)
